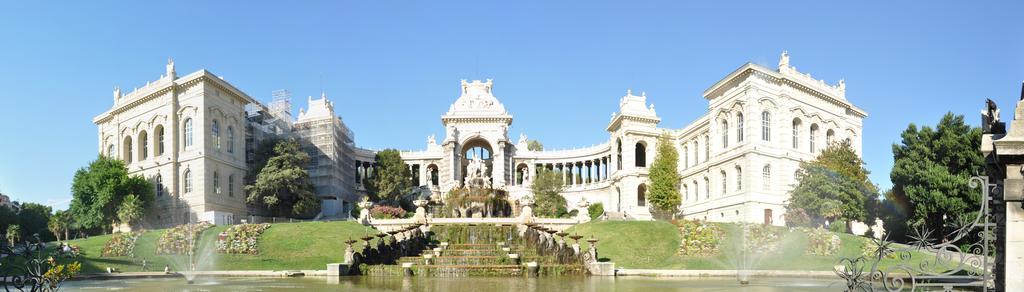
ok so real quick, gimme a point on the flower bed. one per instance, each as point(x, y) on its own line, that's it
point(761, 238)
point(181, 238)
point(120, 244)
point(698, 238)
point(241, 239)
point(821, 242)
point(387, 212)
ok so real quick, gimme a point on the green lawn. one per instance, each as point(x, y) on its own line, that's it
point(655, 244)
point(312, 245)
point(284, 246)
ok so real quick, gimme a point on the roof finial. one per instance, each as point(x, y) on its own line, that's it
point(629, 92)
point(323, 94)
point(170, 68)
point(784, 60)
point(117, 92)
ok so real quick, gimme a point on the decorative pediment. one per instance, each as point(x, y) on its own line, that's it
point(477, 101)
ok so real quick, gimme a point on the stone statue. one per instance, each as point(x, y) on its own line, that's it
point(522, 139)
point(430, 140)
point(476, 174)
point(784, 59)
point(990, 119)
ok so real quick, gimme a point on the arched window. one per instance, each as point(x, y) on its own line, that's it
point(127, 150)
point(766, 126)
point(641, 155)
point(231, 139)
point(739, 127)
point(188, 133)
point(159, 185)
point(686, 157)
point(641, 195)
point(618, 154)
point(215, 130)
point(811, 136)
point(231, 185)
point(739, 178)
point(187, 181)
point(797, 124)
point(433, 175)
point(828, 137)
point(110, 151)
point(216, 183)
point(725, 183)
point(159, 140)
point(766, 177)
point(686, 192)
point(696, 153)
point(143, 146)
point(707, 188)
point(725, 134)
point(696, 191)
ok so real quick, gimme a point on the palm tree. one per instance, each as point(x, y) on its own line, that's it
point(13, 233)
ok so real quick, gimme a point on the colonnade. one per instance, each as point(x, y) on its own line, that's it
point(574, 173)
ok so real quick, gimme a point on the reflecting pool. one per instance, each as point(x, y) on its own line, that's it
point(478, 284)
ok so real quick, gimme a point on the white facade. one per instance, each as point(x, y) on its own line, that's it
point(186, 134)
point(737, 161)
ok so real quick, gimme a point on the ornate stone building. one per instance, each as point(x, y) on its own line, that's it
point(737, 161)
point(185, 134)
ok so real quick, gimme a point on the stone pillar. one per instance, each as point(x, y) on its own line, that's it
point(498, 165)
point(1004, 154)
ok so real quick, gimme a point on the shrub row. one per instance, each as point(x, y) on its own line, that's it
point(181, 238)
point(120, 244)
point(698, 238)
point(241, 239)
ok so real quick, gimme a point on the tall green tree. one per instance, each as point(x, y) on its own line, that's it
point(7, 218)
point(33, 219)
point(833, 186)
point(98, 189)
point(931, 172)
point(534, 145)
point(283, 186)
point(130, 210)
point(664, 193)
point(547, 194)
point(264, 151)
point(391, 179)
point(59, 224)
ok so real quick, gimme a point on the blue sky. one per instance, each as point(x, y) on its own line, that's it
point(560, 67)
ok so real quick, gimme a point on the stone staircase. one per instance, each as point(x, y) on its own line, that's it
point(476, 250)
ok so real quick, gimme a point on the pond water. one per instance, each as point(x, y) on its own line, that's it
point(478, 284)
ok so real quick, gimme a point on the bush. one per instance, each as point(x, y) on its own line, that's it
point(797, 217)
point(698, 238)
point(821, 242)
point(120, 244)
point(241, 239)
point(761, 238)
point(869, 249)
point(595, 210)
point(839, 226)
point(181, 238)
point(387, 212)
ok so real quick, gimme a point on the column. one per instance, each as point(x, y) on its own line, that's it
point(590, 172)
point(564, 174)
